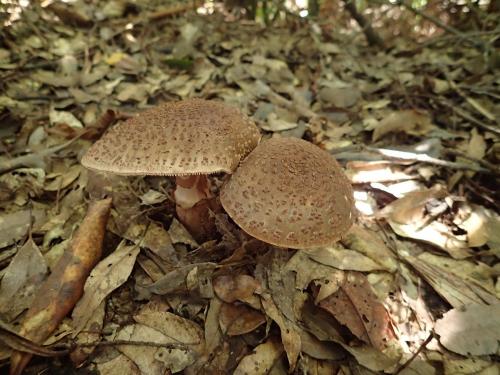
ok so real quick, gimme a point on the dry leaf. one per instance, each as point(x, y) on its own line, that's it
point(153, 360)
point(119, 365)
point(64, 287)
point(290, 336)
point(356, 306)
point(14, 226)
point(408, 121)
point(261, 360)
point(21, 280)
point(471, 330)
point(108, 275)
point(232, 288)
point(239, 319)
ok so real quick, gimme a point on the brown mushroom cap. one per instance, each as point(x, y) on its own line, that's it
point(290, 193)
point(193, 136)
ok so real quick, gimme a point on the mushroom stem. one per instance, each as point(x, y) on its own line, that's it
point(193, 204)
point(189, 190)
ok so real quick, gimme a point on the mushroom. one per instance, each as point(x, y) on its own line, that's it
point(290, 193)
point(188, 139)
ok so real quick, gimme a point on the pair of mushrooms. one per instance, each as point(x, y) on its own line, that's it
point(286, 191)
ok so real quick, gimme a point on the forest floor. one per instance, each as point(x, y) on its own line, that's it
point(413, 288)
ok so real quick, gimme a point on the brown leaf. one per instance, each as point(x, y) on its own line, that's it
point(356, 306)
point(64, 287)
point(231, 288)
point(290, 336)
point(261, 360)
point(237, 320)
point(106, 276)
point(408, 121)
point(21, 280)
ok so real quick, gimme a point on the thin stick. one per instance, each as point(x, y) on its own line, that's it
point(398, 155)
point(442, 25)
point(412, 358)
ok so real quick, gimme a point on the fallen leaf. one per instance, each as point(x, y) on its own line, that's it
point(407, 121)
point(238, 319)
point(231, 288)
point(153, 360)
point(471, 330)
point(14, 226)
point(21, 280)
point(108, 275)
point(367, 242)
point(119, 365)
point(356, 306)
point(64, 287)
point(290, 336)
point(261, 360)
point(344, 259)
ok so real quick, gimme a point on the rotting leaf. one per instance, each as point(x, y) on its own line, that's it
point(90, 333)
point(356, 306)
point(14, 226)
point(408, 121)
point(290, 336)
point(108, 275)
point(261, 360)
point(458, 281)
point(21, 280)
point(64, 287)
point(231, 288)
point(176, 280)
point(119, 365)
point(153, 360)
point(238, 319)
point(344, 259)
point(367, 242)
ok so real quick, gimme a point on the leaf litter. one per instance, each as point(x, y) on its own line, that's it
point(414, 286)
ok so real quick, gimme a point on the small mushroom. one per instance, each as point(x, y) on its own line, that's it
point(188, 139)
point(290, 193)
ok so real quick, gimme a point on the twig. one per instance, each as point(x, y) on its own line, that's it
point(35, 159)
point(412, 358)
point(474, 103)
point(448, 38)
point(478, 44)
point(371, 35)
point(264, 89)
point(459, 111)
point(482, 162)
point(397, 155)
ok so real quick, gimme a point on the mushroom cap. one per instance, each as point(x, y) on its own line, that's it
point(192, 136)
point(290, 193)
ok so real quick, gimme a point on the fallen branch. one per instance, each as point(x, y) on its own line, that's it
point(371, 35)
point(35, 159)
point(478, 44)
point(459, 111)
point(367, 153)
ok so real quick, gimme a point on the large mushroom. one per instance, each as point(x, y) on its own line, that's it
point(290, 193)
point(189, 139)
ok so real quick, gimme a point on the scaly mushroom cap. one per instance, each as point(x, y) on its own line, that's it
point(192, 136)
point(290, 193)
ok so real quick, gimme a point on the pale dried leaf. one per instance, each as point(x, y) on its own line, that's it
point(290, 336)
point(471, 330)
point(119, 365)
point(261, 360)
point(21, 279)
point(407, 121)
point(14, 226)
point(108, 275)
